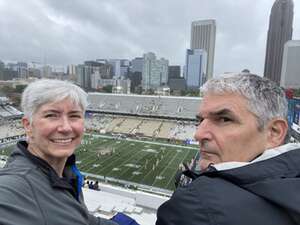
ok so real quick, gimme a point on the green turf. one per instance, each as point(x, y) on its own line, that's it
point(153, 164)
point(148, 163)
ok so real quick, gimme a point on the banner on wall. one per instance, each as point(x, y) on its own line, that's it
point(296, 117)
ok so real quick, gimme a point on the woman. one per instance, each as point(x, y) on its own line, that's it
point(40, 183)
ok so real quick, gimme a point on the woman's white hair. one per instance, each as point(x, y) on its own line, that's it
point(264, 97)
point(45, 91)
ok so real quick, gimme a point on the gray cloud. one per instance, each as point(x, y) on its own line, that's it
point(71, 31)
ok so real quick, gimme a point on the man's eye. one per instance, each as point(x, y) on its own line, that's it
point(198, 121)
point(224, 119)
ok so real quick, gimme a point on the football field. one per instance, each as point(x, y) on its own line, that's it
point(143, 162)
point(150, 163)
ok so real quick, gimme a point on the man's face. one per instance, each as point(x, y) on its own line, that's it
point(227, 130)
point(56, 130)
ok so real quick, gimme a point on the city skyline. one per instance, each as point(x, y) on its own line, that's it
point(280, 31)
point(203, 36)
point(70, 32)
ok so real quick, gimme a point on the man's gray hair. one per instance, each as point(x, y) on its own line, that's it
point(264, 97)
point(45, 91)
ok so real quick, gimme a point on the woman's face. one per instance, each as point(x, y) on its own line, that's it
point(56, 130)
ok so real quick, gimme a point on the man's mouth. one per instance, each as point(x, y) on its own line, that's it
point(207, 152)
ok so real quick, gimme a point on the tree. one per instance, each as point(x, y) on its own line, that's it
point(107, 88)
point(297, 92)
point(20, 88)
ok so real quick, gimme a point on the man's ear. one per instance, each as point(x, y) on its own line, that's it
point(277, 131)
point(27, 126)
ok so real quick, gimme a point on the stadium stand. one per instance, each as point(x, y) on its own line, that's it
point(144, 105)
point(147, 127)
point(97, 122)
point(7, 111)
point(165, 129)
point(10, 128)
point(183, 131)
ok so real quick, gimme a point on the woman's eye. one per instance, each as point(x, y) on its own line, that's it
point(77, 115)
point(50, 115)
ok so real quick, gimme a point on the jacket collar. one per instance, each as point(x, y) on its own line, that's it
point(267, 154)
point(68, 181)
point(277, 162)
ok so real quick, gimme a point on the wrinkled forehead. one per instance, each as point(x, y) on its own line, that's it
point(213, 102)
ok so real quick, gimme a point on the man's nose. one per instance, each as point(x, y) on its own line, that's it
point(203, 131)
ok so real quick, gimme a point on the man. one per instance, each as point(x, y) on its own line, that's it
point(249, 176)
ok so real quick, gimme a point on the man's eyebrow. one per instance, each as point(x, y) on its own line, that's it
point(198, 116)
point(222, 112)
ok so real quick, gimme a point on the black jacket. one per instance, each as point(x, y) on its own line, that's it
point(261, 193)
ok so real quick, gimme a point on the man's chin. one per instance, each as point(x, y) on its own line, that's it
point(204, 164)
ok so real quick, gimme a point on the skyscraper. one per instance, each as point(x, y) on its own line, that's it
point(290, 65)
point(280, 31)
point(155, 71)
point(203, 36)
point(173, 72)
point(195, 67)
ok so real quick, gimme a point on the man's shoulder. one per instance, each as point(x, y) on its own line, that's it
point(208, 191)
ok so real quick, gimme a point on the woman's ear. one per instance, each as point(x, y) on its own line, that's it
point(277, 131)
point(27, 126)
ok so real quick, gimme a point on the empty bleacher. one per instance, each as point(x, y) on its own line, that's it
point(165, 129)
point(148, 127)
point(144, 105)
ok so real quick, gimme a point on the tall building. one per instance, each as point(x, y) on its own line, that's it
point(290, 73)
point(174, 72)
point(155, 71)
point(120, 67)
point(203, 36)
point(137, 64)
point(71, 69)
point(95, 77)
point(22, 70)
point(71, 72)
point(280, 31)
point(84, 72)
point(195, 67)
point(81, 76)
point(2, 70)
point(135, 73)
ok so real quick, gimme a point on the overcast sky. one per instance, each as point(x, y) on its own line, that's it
point(61, 32)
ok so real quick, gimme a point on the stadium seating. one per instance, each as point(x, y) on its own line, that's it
point(165, 106)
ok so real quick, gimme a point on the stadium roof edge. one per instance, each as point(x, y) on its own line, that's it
point(144, 96)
